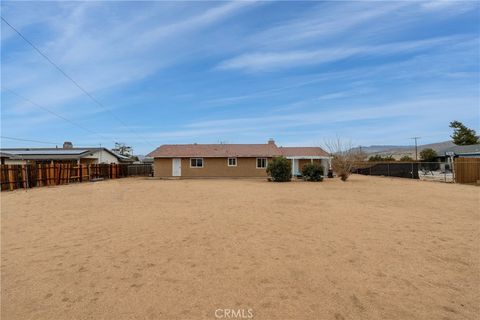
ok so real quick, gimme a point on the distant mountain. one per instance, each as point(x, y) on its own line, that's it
point(374, 149)
point(399, 151)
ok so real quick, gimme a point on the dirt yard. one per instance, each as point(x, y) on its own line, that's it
point(371, 248)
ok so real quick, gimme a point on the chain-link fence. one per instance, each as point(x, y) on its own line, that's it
point(433, 171)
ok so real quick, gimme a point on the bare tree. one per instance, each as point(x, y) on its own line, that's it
point(123, 149)
point(343, 157)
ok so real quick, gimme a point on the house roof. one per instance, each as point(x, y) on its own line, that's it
point(123, 158)
point(118, 156)
point(215, 150)
point(232, 150)
point(57, 153)
point(459, 150)
point(46, 153)
point(303, 151)
point(6, 155)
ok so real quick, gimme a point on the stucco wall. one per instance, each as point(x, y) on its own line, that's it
point(212, 167)
point(162, 167)
point(102, 156)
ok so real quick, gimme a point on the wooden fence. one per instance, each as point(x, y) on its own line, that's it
point(39, 175)
point(467, 170)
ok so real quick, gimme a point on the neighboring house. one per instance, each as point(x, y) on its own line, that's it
point(470, 151)
point(9, 158)
point(447, 155)
point(68, 154)
point(144, 159)
point(229, 160)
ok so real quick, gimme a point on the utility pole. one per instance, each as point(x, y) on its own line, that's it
point(416, 147)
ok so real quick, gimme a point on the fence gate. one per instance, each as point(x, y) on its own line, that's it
point(467, 170)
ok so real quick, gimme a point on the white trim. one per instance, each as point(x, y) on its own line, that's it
point(266, 163)
point(233, 165)
point(196, 167)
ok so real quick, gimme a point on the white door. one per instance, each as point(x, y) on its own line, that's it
point(176, 167)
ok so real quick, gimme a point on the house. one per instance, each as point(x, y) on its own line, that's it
point(67, 154)
point(9, 158)
point(230, 160)
point(144, 160)
point(447, 155)
point(469, 151)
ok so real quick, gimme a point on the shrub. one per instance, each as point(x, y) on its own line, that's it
point(379, 158)
point(280, 169)
point(312, 172)
point(406, 158)
point(428, 155)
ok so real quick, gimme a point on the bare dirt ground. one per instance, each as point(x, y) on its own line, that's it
point(371, 248)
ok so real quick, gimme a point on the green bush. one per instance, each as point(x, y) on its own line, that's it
point(428, 155)
point(280, 169)
point(406, 158)
point(312, 172)
point(379, 158)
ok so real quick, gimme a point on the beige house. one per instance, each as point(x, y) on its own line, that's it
point(230, 160)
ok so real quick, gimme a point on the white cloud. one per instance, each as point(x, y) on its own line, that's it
point(451, 6)
point(268, 61)
point(99, 56)
point(202, 20)
point(324, 22)
point(338, 113)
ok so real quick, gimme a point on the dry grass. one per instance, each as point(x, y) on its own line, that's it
point(370, 248)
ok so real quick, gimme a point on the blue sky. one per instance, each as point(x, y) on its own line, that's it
point(240, 72)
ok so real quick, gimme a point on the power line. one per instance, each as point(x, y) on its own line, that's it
point(55, 114)
point(74, 82)
point(49, 111)
point(416, 147)
point(28, 140)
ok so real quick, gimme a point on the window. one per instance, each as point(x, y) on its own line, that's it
point(232, 162)
point(196, 162)
point(261, 163)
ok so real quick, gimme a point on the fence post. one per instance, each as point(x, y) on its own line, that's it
point(23, 169)
point(454, 175)
point(445, 172)
point(10, 178)
point(39, 175)
point(412, 169)
point(26, 177)
point(388, 169)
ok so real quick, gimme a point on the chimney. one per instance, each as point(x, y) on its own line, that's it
point(271, 141)
point(67, 145)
